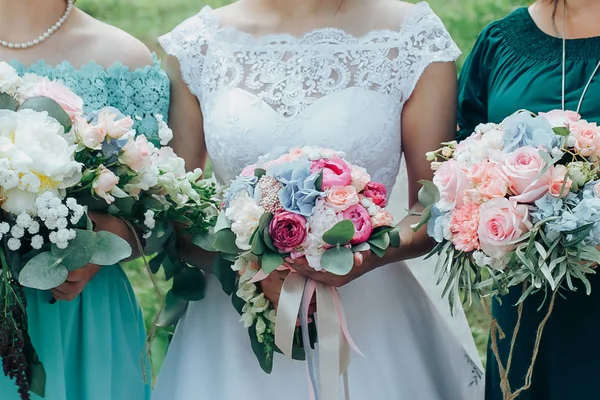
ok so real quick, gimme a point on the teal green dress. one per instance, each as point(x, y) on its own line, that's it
point(513, 66)
point(91, 347)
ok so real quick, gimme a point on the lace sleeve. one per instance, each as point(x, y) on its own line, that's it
point(427, 41)
point(188, 42)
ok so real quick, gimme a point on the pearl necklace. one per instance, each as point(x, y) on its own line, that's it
point(45, 35)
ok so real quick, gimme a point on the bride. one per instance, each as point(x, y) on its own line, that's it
point(373, 78)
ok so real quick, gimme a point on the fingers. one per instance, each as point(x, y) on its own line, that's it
point(68, 291)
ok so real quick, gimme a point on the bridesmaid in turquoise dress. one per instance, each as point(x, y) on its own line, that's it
point(91, 346)
point(517, 64)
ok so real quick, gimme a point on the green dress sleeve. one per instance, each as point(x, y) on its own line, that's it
point(473, 83)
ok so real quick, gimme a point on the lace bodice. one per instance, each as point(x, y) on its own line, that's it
point(326, 88)
point(141, 93)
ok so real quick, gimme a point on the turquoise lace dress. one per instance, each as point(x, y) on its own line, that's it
point(91, 347)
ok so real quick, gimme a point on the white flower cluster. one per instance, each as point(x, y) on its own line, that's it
point(9, 79)
point(165, 133)
point(318, 153)
point(244, 214)
point(475, 149)
point(257, 307)
point(149, 219)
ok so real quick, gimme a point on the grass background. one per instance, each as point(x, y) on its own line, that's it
point(147, 19)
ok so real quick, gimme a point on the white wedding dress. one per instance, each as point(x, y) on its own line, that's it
point(328, 88)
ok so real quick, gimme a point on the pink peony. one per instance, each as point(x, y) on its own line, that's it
point(587, 138)
point(136, 154)
point(362, 223)
point(558, 176)
point(522, 168)
point(114, 129)
point(464, 224)
point(91, 136)
point(104, 183)
point(360, 177)
point(287, 230)
point(342, 197)
point(66, 99)
point(382, 218)
point(501, 223)
point(336, 172)
point(376, 192)
point(452, 183)
point(560, 118)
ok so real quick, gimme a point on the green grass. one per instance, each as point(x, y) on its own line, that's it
point(147, 19)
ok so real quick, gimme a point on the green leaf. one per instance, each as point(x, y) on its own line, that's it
point(425, 216)
point(268, 240)
point(338, 260)
point(361, 247)
point(41, 103)
point(125, 204)
point(579, 235)
point(222, 270)
point(395, 238)
point(340, 234)
point(174, 310)
point(259, 172)
point(80, 250)
point(205, 240)
point(382, 230)
point(561, 131)
point(172, 265)
point(157, 261)
point(381, 242)
point(265, 221)
point(258, 245)
point(7, 102)
point(189, 284)
point(43, 272)
point(222, 222)
point(263, 354)
point(37, 384)
point(428, 194)
point(270, 261)
point(225, 242)
point(377, 251)
point(319, 182)
point(110, 249)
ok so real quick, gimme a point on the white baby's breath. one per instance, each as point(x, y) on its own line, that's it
point(14, 244)
point(37, 242)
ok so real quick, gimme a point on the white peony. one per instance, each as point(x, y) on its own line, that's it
point(323, 219)
point(38, 151)
point(9, 79)
point(244, 214)
point(478, 150)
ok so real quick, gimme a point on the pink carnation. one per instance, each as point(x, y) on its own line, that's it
point(464, 224)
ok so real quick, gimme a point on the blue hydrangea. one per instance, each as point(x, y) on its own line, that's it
point(299, 193)
point(238, 185)
point(547, 207)
point(435, 225)
point(523, 129)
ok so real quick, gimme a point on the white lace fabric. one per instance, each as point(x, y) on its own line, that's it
point(326, 88)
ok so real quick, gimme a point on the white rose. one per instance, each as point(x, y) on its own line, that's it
point(9, 79)
point(244, 214)
point(37, 149)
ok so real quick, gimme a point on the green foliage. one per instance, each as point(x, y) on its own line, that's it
point(147, 19)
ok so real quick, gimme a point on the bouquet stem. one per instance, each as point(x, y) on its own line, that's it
point(496, 331)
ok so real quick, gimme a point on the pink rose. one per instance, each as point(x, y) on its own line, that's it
point(114, 129)
point(558, 176)
point(488, 179)
point(360, 177)
point(336, 172)
point(287, 230)
point(377, 193)
point(136, 154)
point(501, 221)
point(560, 118)
point(464, 225)
point(91, 136)
point(66, 99)
point(382, 218)
point(342, 197)
point(522, 168)
point(587, 138)
point(104, 183)
point(452, 183)
point(362, 223)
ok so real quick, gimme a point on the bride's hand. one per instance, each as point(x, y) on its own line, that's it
point(271, 287)
point(363, 262)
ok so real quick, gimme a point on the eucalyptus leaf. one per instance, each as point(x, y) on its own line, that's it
point(221, 268)
point(43, 272)
point(258, 245)
point(425, 216)
point(377, 251)
point(268, 240)
point(222, 222)
point(381, 242)
point(225, 242)
point(54, 110)
point(110, 249)
point(338, 260)
point(264, 221)
point(361, 247)
point(125, 204)
point(561, 131)
point(80, 250)
point(270, 261)
point(37, 384)
point(189, 284)
point(319, 182)
point(157, 261)
point(174, 310)
point(259, 172)
point(428, 194)
point(205, 240)
point(172, 265)
point(395, 238)
point(380, 231)
point(7, 102)
point(340, 234)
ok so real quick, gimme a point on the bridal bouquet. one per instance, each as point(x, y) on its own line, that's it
point(310, 203)
point(56, 164)
point(517, 204)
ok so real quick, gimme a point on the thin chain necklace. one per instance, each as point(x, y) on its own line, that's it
point(45, 35)
point(564, 59)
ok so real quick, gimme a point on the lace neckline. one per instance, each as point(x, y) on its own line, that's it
point(325, 35)
point(116, 68)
